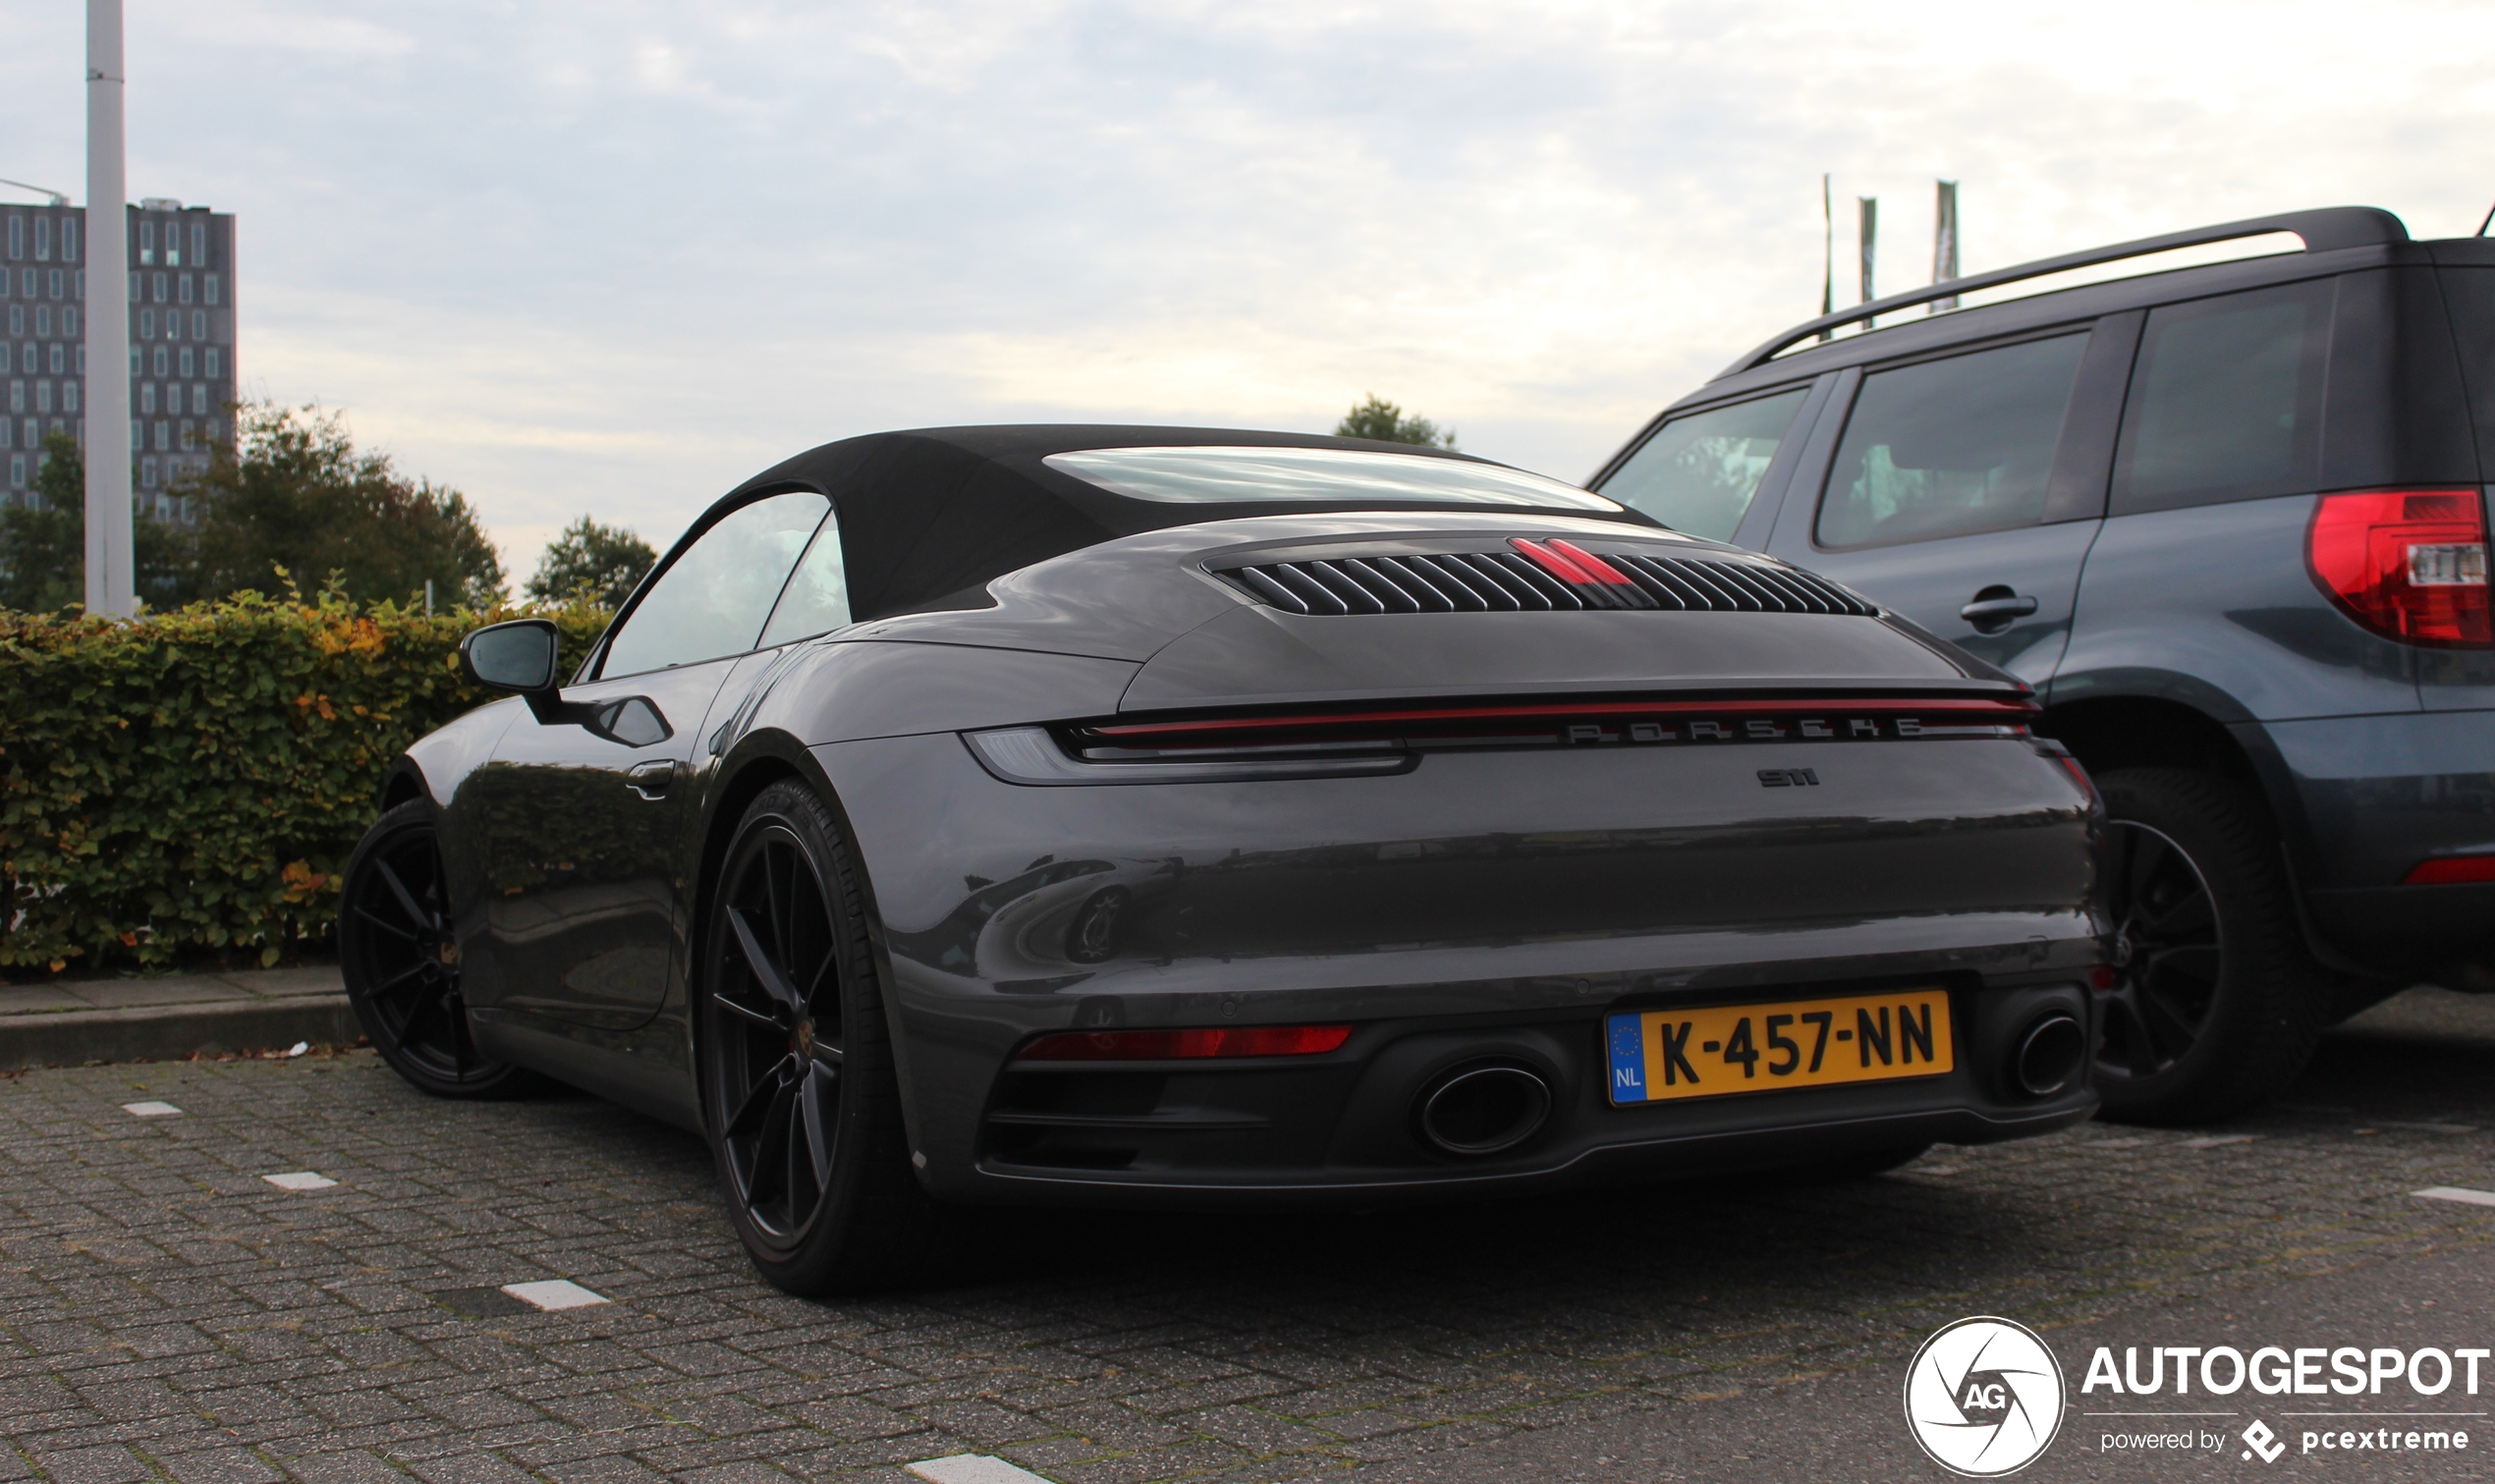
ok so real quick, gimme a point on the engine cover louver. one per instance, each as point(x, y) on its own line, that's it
point(1535, 577)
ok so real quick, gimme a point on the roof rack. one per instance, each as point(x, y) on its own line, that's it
point(2324, 229)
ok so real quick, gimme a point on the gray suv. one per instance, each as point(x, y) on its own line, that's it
point(2230, 521)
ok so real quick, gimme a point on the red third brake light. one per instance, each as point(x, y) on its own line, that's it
point(2410, 564)
point(1186, 1045)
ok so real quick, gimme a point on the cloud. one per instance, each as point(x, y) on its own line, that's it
point(613, 257)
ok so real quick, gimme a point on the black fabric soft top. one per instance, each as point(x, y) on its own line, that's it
point(930, 516)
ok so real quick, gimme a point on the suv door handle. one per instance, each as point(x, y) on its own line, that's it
point(1993, 610)
point(650, 779)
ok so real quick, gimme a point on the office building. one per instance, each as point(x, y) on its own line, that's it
point(182, 338)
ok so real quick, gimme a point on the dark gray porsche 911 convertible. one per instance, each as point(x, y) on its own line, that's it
point(1155, 815)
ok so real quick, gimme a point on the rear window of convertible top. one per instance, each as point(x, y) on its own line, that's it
point(1221, 475)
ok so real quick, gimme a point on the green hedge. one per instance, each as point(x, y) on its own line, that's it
point(194, 781)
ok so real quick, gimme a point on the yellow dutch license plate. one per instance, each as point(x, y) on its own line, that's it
point(1710, 1051)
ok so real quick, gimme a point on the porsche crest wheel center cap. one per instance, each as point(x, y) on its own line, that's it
point(803, 1040)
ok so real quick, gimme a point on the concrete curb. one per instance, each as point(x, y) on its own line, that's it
point(170, 1032)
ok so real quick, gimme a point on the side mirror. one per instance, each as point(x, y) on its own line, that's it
point(516, 656)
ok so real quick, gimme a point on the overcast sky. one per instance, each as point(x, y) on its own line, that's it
point(614, 256)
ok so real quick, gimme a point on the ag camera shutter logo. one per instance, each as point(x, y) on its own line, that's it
point(1983, 1396)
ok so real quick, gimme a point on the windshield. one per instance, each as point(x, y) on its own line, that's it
point(1240, 475)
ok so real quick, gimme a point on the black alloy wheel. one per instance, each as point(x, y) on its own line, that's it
point(2168, 953)
point(799, 1097)
point(401, 962)
point(2216, 1002)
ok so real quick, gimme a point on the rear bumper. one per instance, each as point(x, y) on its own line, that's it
point(1344, 1128)
point(2376, 794)
point(1480, 906)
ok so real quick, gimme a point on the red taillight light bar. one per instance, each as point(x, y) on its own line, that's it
point(1186, 1045)
point(2451, 870)
point(2410, 564)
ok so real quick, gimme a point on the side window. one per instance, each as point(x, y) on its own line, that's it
point(816, 600)
point(711, 601)
point(1697, 473)
point(2226, 400)
point(1946, 448)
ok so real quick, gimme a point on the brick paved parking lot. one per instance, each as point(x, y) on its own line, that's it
point(167, 1312)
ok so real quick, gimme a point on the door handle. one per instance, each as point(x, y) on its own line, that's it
point(650, 779)
point(1993, 610)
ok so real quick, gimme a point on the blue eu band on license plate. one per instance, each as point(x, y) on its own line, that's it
point(1715, 1049)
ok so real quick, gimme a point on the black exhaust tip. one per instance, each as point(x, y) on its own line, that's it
point(1482, 1110)
point(2049, 1056)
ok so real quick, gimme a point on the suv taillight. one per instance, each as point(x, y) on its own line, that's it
point(2410, 564)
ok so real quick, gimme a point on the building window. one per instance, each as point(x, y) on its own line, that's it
point(190, 436)
point(134, 360)
point(16, 244)
point(42, 239)
point(68, 239)
point(173, 324)
point(138, 433)
point(68, 322)
point(52, 284)
point(198, 324)
point(184, 289)
point(185, 360)
point(147, 473)
point(146, 396)
point(25, 358)
point(17, 470)
point(43, 396)
point(43, 320)
point(163, 359)
point(212, 362)
point(17, 319)
point(69, 396)
point(146, 324)
point(199, 399)
point(164, 436)
point(147, 242)
point(207, 290)
point(160, 288)
point(59, 358)
point(34, 432)
point(198, 243)
point(16, 396)
point(81, 360)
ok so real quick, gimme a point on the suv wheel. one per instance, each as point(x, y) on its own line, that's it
point(2216, 1004)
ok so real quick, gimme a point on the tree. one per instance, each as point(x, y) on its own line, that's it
point(604, 561)
point(1386, 423)
point(43, 547)
point(292, 491)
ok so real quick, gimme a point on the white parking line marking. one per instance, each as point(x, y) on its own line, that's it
point(2117, 1143)
point(2431, 1128)
point(554, 1294)
point(2458, 1193)
point(2213, 1140)
point(972, 1468)
point(149, 1109)
point(299, 1180)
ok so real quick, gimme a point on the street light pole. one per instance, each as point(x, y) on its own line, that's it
point(111, 588)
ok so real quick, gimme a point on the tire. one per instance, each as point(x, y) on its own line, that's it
point(2216, 1003)
point(800, 1098)
point(401, 963)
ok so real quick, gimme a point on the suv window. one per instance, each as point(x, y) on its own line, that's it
point(712, 599)
point(1698, 473)
point(2226, 400)
point(1950, 446)
point(2470, 293)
